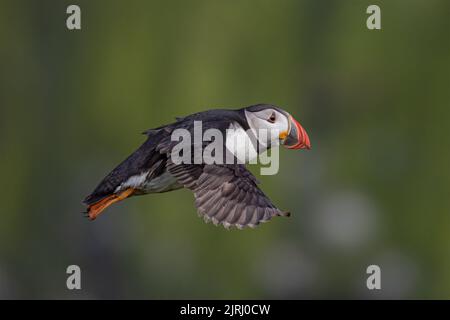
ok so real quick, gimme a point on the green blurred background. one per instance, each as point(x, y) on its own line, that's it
point(373, 190)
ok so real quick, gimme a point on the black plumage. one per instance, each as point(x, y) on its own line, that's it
point(225, 194)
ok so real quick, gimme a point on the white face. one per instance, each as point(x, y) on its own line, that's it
point(275, 122)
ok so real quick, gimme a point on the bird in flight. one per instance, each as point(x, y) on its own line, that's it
point(225, 193)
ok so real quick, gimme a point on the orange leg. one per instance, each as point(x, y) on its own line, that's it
point(97, 208)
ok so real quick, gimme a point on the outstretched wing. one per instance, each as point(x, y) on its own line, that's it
point(226, 194)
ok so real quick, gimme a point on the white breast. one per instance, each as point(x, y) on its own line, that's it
point(240, 144)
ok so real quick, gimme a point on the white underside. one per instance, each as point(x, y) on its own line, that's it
point(133, 182)
point(163, 183)
point(239, 144)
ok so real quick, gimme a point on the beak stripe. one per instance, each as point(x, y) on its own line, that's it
point(302, 137)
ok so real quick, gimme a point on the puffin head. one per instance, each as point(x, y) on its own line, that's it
point(269, 117)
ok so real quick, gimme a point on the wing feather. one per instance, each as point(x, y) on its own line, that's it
point(226, 194)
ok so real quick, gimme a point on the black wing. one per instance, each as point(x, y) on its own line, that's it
point(226, 194)
point(152, 154)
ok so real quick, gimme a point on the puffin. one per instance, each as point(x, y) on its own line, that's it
point(225, 193)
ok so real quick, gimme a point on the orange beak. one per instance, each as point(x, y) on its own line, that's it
point(296, 138)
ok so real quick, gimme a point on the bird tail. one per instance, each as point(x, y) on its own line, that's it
point(94, 209)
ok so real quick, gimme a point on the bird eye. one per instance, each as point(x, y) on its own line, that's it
point(272, 118)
